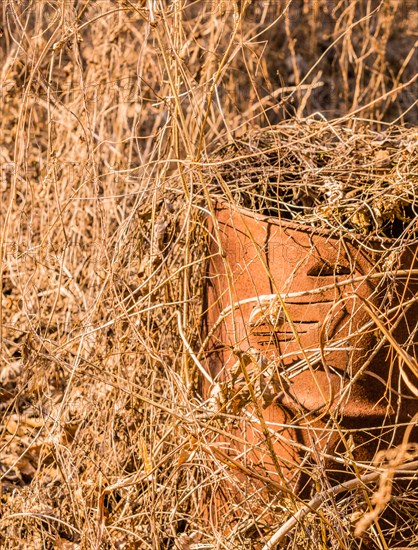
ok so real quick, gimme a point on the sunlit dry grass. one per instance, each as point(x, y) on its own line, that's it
point(110, 115)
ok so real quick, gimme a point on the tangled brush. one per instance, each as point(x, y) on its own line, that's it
point(325, 175)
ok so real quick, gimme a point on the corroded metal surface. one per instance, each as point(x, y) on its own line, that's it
point(306, 304)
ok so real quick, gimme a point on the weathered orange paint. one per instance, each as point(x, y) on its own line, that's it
point(319, 343)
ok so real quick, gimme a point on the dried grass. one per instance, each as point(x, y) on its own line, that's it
point(324, 175)
point(110, 113)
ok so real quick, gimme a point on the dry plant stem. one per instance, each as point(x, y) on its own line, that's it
point(348, 30)
point(379, 99)
point(395, 457)
point(262, 103)
point(188, 347)
point(240, 467)
point(320, 498)
point(132, 480)
point(215, 79)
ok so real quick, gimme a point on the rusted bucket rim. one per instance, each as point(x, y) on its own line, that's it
point(303, 227)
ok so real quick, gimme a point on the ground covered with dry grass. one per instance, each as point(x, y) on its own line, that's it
point(116, 117)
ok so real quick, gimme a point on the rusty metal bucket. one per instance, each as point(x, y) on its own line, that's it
point(312, 325)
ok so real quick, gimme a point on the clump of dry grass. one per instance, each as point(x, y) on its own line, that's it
point(350, 179)
point(108, 110)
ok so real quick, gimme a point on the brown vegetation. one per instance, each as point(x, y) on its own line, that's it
point(113, 114)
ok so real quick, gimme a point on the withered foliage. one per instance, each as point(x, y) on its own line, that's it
point(111, 113)
point(326, 176)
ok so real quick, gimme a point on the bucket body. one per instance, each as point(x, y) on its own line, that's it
point(312, 313)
